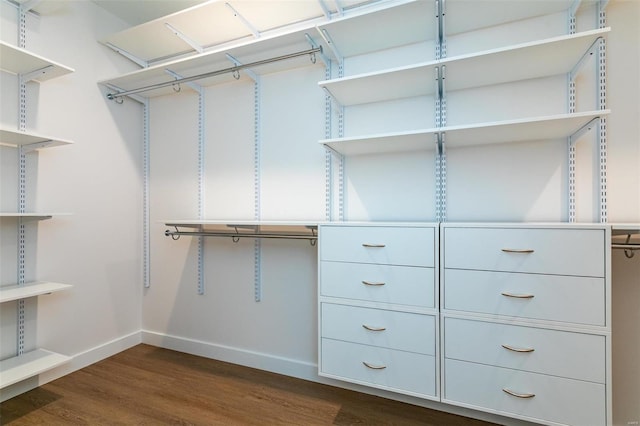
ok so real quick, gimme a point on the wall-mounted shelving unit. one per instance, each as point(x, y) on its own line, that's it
point(29, 67)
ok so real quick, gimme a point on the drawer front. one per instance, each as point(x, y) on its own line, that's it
point(404, 285)
point(412, 246)
point(556, 399)
point(558, 353)
point(546, 251)
point(579, 300)
point(377, 327)
point(399, 371)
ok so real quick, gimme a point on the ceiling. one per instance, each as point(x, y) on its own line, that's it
point(135, 12)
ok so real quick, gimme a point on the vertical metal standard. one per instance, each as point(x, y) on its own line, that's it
point(341, 163)
point(22, 183)
point(571, 147)
point(257, 279)
point(145, 196)
point(602, 101)
point(201, 185)
point(328, 156)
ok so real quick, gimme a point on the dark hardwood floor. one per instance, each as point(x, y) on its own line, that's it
point(146, 385)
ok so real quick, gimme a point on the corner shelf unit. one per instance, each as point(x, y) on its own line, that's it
point(29, 67)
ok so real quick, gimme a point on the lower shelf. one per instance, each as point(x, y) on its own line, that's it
point(15, 292)
point(16, 369)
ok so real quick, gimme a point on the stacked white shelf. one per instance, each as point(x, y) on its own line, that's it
point(30, 67)
point(490, 67)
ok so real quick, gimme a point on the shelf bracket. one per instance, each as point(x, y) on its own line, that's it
point(326, 61)
point(37, 145)
point(327, 39)
point(133, 58)
point(244, 21)
point(247, 71)
point(325, 9)
point(136, 98)
point(192, 43)
point(592, 50)
point(33, 75)
point(195, 86)
point(27, 6)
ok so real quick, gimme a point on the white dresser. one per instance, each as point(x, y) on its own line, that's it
point(378, 310)
point(526, 329)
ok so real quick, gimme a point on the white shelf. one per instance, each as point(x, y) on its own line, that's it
point(398, 24)
point(216, 60)
point(16, 138)
point(419, 140)
point(16, 369)
point(214, 23)
point(542, 58)
point(625, 228)
point(553, 56)
point(37, 216)
point(509, 131)
point(33, 289)
point(464, 15)
point(396, 83)
point(20, 61)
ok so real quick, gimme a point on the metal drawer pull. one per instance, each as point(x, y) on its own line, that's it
point(521, 350)
point(373, 245)
point(368, 327)
point(519, 395)
point(525, 251)
point(372, 283)
point(374, 367)
point(519, 296)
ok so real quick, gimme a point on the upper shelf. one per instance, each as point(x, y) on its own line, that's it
point(22, 62)
point(553, 56)
point(33, 140)
point(395, 25)
point(217, 23)
point(509, 131)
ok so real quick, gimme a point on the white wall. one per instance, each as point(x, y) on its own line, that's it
point(524, 182)
point(97, 248)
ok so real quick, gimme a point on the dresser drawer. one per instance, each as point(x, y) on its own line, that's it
point(579, 300)
point(557, 353)
point(412, 246)
point(546, 251)
point(399, 371)
point(556, 399)
point(377, 327)
point(404, 285)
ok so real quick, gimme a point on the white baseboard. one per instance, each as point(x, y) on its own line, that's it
point(261, 361)
point(77, 362)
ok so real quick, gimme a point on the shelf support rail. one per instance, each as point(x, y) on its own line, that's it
point(234, 69)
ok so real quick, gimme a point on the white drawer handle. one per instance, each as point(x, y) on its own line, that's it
point(519, 296)
point(519, 395)
point(524, 251)
point(373, 245)
point(521, 350)
point(373, 283)
point(368, 327)
point(374, 367)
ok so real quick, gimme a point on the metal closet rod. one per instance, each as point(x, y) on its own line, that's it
point(236, 68)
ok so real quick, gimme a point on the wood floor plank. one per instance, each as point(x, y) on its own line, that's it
point(146, 385)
